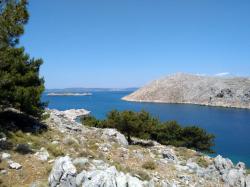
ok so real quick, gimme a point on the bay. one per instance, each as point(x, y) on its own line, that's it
point(230, 126)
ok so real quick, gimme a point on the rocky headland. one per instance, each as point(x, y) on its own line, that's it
point(196, 89)
point(71, 154)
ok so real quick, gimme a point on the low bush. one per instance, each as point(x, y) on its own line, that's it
point(150, 165)
point(23, 149)
point(55, 150)
point(202, 162)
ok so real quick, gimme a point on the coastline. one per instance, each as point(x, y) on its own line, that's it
point(187, 103)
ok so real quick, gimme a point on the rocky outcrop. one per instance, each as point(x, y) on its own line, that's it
point(42, 154)
point(14, 165)
point(71, 114)
point(108, 177)
point(194, 89)
point(101, 174)
point(114, 135)
point(63, 173)
point(108, 160)
point(231, 175)
point(65, 120)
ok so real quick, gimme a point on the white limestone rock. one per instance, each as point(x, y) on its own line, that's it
point(71, 114)
point(234, 178)
point(247, 181)
point(80, 161)
point(169, 155)
point(114, 135)
point(109, 177)
point(63, 173)
point(14, 165)
point(42, 155)
point(5, 156)
point(223, 164)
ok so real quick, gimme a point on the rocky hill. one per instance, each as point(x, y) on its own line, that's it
point(69, 154)
point(195, 89)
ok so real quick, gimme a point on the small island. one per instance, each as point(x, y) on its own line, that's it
point(69, 94)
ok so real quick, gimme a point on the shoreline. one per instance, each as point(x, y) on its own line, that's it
point(186, 103)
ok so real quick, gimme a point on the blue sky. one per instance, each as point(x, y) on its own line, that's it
point(128, 43)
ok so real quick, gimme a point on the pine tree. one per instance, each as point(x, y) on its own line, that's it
point(20, 84)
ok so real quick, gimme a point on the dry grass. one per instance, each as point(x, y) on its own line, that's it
point(150, 165)
point(32, 170)
point(55, 150)
point(202, 162)
point(184, 153)
point(248, 171)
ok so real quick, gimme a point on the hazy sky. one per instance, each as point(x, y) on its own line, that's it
point(127, 43)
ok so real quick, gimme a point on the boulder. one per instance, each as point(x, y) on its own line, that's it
point(42, 155)
point(14, 165)
point(71, 114)
point(114, 135)
point(234, 178)
point(193, 165)
point(5, 156)
point(80, 161)
point(109, 177)
point(223, 164)
point(169, 155)
point(247, 181)
point(240, 166)
point(63, 173)
point(3, 172)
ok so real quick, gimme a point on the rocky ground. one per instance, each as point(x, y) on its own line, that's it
point(195, 89)
point(70, 154)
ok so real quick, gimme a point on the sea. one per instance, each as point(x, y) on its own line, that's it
point(230, 126)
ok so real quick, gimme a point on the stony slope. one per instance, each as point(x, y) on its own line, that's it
point(70, 154)
point(194, 89)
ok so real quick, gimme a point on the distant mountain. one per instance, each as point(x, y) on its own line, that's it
point(196, 89)
point(80, 90)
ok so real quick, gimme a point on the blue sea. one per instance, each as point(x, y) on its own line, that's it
point(230, 126)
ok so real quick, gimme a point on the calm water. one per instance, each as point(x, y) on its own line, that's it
point(230, 126)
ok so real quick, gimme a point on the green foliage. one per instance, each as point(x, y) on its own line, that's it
point(20, 84)
point(138, 124)
point(197, 138)
point(168, 133)
point(91, 121)
point(143, 125)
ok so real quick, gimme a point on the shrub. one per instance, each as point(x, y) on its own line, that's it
point(143, 125)
point(149, 165)
point(198, 139)
point(202, 162)
point(23, 149)
point(6, 145)
point(55, 150)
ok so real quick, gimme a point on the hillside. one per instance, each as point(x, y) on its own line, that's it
point(195, 89)
point(70, 154)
